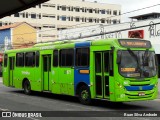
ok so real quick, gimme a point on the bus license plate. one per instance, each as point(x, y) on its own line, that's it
point(141, 93)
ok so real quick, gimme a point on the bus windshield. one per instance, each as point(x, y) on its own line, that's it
point(137, 63)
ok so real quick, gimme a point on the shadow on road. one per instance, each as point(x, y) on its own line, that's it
point(98, 103)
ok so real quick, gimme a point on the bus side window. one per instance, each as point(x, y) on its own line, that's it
point(82, 57)
point(30, 59)
point(5, 60)
point(37, 59)
point(20, 59)
point(55, 58)
point(66, 57)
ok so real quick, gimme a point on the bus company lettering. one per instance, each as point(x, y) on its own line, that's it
point(46, 47)
point(67, 72)
point(25, 73)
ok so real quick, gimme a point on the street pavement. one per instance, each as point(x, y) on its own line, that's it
point(12, 99)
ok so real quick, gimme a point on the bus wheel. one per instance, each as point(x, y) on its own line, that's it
point(27, 87)
point(84, 95)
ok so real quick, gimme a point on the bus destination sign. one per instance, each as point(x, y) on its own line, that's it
point(135, 43)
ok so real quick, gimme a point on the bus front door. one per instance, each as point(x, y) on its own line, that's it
point(102, 74)
point(46, 71)
point(11, 69)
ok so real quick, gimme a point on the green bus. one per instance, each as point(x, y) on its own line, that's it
point(117, 70)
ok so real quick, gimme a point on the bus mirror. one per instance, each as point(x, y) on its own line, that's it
point(119, 57)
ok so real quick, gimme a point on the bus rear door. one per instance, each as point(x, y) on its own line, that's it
point(46, 72)
point(11, 70)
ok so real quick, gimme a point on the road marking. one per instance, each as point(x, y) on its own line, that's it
point(4, 109)
point(32, 118)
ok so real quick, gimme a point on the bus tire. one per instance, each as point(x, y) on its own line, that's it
point(84, 95)
point(27, 87)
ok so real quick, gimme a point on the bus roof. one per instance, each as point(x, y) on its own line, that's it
point(71, 43)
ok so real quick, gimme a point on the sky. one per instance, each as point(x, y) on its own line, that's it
point(130, 5)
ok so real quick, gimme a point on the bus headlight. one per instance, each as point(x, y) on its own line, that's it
point(119, 85)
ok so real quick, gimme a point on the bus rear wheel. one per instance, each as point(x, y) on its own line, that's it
point(27, 87)
point(84, 95)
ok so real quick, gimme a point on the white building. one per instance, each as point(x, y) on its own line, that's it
point(53, 15)
point(148, 29)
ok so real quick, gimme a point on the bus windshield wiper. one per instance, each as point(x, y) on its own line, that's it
point(136, 58)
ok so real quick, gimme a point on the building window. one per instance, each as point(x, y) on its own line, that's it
point(39, 16)
point(72, 18)
point(57, 17)
point(103, 11)
point(39, 5)
point(77, 19)
point(64, 8)
point(58, 7)
point(63, 18)
point(26, 15)
point(33, 15)
point(71, 8)
point(114, 21)
point(82, 57)
point(23, 14)
point(55, 58)
point(83, 19)
point(90, 10)
point(115, 12)
point(110, 12)
point(68, 8)
point(68, 18)
point(20, 59)
point(85, 9)
point(66, 57)
point(16, 15)
point(102, 20)
point(47, 15)
point(77, 9)
point(90, 20)
point(96, 10)
point(82, 9)
point(52, 5)
point(30, 59)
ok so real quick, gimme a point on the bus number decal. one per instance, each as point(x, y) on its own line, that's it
point(25, 73)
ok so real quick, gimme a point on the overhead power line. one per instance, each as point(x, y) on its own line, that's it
point(93, 24)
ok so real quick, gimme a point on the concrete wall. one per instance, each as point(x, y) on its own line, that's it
point(23, 34)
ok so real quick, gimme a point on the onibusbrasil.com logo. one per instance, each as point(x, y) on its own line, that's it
point(21, 114)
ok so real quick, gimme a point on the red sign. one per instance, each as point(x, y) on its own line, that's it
point(136, 34)
point(1, 57)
